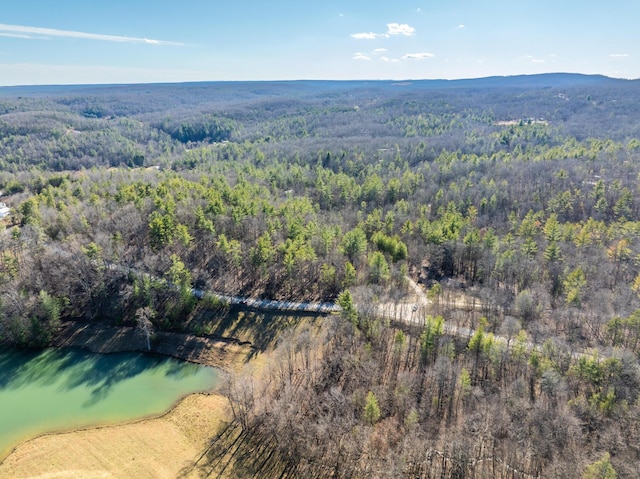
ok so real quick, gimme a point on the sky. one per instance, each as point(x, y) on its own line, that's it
point(142, 41)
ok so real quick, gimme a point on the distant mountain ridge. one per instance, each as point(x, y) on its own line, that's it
point(543, 80)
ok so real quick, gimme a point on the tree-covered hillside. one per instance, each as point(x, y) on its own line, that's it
point(520, 195)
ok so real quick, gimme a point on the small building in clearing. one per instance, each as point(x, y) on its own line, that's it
point(4, 210)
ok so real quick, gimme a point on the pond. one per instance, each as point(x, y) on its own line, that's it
point(58, 390)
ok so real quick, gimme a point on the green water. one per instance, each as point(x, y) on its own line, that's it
point(56, 390)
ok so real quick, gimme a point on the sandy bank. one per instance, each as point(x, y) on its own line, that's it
point(161, 447)
point(164, 447)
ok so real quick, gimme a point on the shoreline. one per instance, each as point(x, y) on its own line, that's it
point(227, 355)
point(105, 425)
point(101, 450)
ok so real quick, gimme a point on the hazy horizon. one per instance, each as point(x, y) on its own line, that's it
point(294, 80)
point(129, 42)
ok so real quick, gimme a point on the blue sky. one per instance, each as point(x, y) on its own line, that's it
point(132, 41)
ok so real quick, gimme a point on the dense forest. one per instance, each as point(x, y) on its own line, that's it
point(518, 194)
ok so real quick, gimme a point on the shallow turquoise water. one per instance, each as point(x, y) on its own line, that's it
point(56, 390)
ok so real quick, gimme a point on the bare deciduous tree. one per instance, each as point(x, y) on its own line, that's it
point(144, 326)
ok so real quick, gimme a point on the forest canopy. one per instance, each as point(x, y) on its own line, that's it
point(517, 194)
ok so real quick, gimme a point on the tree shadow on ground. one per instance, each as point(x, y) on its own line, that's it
point(260, 328)
point(234, 453)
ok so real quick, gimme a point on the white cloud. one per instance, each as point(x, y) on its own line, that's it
point(619, 55)
point(460, 27)
point(379, 50)
point(392, 29)
point(360, 56)
point(533, 59)
point(389, 60)
point(400, 29)
point(341, 14)
point(417, 56)
point(6, 30)
point(368, 36)
point(21, 35)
